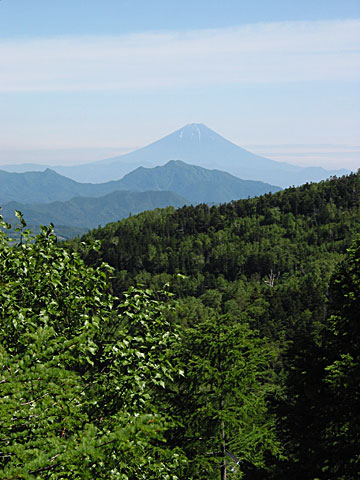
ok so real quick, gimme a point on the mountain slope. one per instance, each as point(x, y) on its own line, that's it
point(85, 212)
point(273, 233)
point(196, 184)
point(196, 144)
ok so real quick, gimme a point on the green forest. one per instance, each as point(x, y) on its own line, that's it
point(199, 343)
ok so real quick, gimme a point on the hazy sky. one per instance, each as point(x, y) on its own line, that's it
point(81, 80)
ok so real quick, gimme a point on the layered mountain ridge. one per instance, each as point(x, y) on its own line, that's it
point(45, 197)
point(195, 184)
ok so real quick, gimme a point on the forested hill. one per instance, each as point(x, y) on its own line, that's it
point(281, 233)
point(267, 263)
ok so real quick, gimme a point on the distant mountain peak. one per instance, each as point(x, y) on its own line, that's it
point(174, 162)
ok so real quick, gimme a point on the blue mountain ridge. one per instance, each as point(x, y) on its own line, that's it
point(195, 184)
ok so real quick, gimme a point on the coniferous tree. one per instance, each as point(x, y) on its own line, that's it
point(222, 398)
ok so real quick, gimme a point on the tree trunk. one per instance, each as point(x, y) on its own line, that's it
point(223, 463)
point(223, 447)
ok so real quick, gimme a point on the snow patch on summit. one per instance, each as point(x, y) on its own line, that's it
point(195, 127)
point(190, 131)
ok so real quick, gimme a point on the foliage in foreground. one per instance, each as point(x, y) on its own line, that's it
point(78, 372)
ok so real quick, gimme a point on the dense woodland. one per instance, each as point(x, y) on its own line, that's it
point(247, 367)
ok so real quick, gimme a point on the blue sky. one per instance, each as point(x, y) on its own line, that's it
point(84, 79)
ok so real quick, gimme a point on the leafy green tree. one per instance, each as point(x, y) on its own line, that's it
point(78, 372)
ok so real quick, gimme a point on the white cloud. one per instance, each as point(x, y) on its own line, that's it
point(256, 53)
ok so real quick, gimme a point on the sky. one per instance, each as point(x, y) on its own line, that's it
point(83, 80)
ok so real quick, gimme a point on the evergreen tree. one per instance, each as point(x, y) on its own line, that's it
point(222, 398)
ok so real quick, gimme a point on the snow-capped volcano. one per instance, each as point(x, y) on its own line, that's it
point(197, 144)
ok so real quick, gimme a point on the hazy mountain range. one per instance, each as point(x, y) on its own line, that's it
point(198, 145)
point(195, 184)
point(45, 197)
